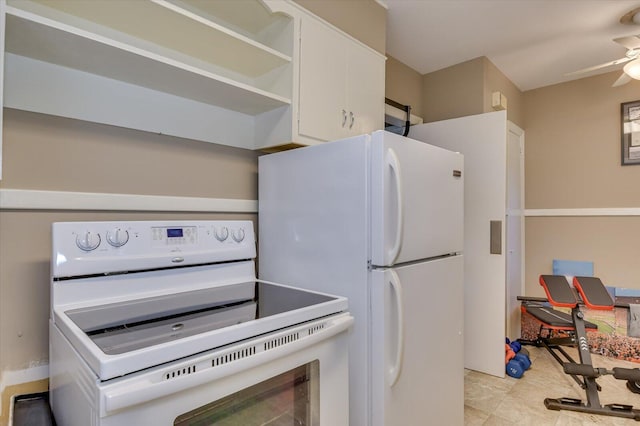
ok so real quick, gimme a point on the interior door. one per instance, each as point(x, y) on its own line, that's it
point(417, 344)
point(482, 140)
point(416, 198)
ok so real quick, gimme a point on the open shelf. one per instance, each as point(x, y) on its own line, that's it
point(40, 38)
point(197, 59)
point(168, 25)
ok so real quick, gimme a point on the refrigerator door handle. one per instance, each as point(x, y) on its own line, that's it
point(394, 165)
point(396, 368)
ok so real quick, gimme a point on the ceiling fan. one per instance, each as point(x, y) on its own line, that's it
point(632, 59)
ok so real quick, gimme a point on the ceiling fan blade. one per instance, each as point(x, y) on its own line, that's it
point(630, 42)
point(597, 67)
point(630, 17)
point(623, 79)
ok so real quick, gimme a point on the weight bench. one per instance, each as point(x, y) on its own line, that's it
point(590, 292)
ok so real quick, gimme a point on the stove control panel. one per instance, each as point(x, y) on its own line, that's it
point(110, 247)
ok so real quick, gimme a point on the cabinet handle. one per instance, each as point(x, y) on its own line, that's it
point(344, 117)
point(352, 117)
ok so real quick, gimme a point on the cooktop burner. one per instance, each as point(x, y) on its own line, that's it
point(122, 327)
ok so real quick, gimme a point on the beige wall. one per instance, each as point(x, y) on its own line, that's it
point(496, 81)
point(364, 20)
point(53, 153)
point(611, 243)
point(452, 92)
point(573, 145)
point(465, 89)
point(403, 84)
point(572, 160)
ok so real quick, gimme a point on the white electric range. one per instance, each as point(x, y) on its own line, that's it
point(164, 323)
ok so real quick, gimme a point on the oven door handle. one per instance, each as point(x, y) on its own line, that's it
point(150, 386)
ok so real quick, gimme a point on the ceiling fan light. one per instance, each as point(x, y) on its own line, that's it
point(632, 69)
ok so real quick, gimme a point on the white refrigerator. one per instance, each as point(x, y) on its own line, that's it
point(379, 219)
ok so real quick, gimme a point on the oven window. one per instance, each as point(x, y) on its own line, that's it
point(291, 398)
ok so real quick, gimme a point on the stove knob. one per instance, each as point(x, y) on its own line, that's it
point(238, 236)
point(117, 237)
point(222, 235)
point(88, 240)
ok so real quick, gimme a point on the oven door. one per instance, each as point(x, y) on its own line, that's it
point(294, 376)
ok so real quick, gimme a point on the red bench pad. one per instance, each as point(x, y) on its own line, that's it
point(593, 293)
point(559, 292)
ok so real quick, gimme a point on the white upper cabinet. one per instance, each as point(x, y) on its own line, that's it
point(365, 90)
point(341, 84)
point(322, 99)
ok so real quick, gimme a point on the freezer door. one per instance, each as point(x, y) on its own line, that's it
point(416, 199)
point(417, 344)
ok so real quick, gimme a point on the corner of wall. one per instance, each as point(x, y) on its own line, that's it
point(495, 81)
point(452, 92)
point(403, 84)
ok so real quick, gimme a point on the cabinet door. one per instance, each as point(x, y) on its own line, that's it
point(365, 90)
point(323, 63)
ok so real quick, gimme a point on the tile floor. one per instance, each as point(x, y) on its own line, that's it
point(492, 401)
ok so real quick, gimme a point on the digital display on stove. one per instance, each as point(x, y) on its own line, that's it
point(174, 233)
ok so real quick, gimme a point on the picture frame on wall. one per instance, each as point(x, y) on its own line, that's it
point(630, 114)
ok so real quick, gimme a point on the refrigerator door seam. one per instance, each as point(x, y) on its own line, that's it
point(371, 266)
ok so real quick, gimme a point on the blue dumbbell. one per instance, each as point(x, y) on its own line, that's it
point(515, 368)
point(524, 359)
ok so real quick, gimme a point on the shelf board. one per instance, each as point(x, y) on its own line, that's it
point(168, 25)
point(46, 88)
point(250, 15)
point(43, 39)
